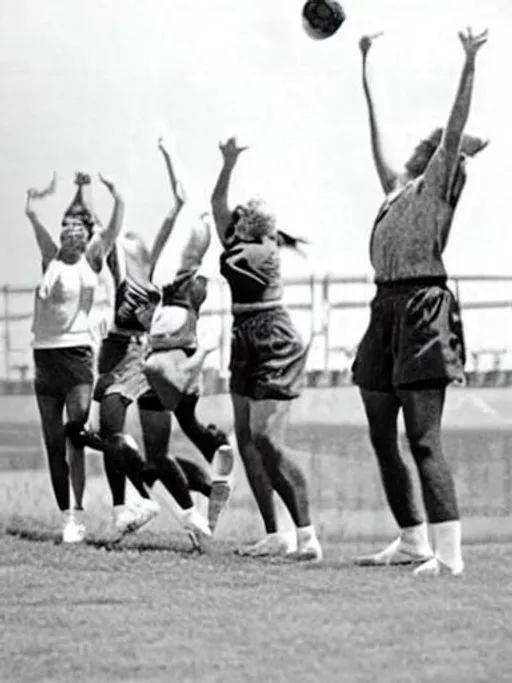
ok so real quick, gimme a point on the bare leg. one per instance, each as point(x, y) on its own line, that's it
point(207, 439)
point(423, 409)
point(268, 425)
point(257, 475)
point(413, 544)
point(422, 415)
point(78, 404)
point(156, 433)
point(382, 414)
point(51, 409)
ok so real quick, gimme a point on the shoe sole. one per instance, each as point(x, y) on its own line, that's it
point(400, 562)
point(136, 526)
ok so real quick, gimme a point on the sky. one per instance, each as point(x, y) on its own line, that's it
point(91, 85)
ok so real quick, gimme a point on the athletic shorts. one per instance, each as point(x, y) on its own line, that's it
point(121, 371)
point(414, 339)
point(57, 371)
point(169, 377)
point(268, 356)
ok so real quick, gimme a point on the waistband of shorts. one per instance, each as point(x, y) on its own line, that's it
point(390, 286)
point(256, 306)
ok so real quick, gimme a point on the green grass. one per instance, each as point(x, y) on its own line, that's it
point(151, 610)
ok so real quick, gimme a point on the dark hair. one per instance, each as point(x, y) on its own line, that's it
point(78, 210)
point(470, 146)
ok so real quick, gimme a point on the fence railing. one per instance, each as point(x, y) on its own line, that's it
point(331, 310)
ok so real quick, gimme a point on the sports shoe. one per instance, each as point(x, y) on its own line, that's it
point(196, 526)
point(133, 518)
point(309, 550)
point(277, 544)
point(397, 553)
point(434, 567)
point(73, 530)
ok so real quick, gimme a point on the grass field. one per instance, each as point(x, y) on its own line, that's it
point(151, 610)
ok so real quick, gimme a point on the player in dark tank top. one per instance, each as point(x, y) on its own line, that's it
point(267, 363)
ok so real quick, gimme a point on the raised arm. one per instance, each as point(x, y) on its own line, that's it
point(179, 199)
point(102, 242)
point(194, 250)
point(450, 145)
point(221, 213)
point(46, 245)
point(387, 176)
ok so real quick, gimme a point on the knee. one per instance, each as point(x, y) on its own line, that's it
point(270, 453)
point(75, 432)
point(383, 440)
point(424, 443)
point(123, 451)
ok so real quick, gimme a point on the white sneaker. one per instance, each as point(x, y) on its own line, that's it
point(196, 526)
point(396, 553)
point(73, 530)
point(310, 550)
point(134, 517)
point(277, 544)
point(434, 567)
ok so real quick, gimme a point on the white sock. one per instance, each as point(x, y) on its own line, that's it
point(417, 537)
point(447, 543)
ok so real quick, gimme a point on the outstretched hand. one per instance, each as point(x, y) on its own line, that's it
point(32, 193)
point(365, 42)
point(109, 184)
point(230, 150)
point(162, 146)
point(471, 43)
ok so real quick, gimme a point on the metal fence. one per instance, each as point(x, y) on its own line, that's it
point(330, 310)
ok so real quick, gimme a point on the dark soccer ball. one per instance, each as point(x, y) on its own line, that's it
point(322, 18)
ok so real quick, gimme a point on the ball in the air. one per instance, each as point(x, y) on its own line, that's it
point(322, 18)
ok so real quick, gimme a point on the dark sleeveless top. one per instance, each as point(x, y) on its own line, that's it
point(135, 299)
point(252, 270)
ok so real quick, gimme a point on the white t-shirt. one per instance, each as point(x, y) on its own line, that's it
point(63, 302)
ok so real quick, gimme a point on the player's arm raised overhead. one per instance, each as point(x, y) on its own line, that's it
point(179, 199)
point(444, 163)
point(103, 241)
point(387, 176)
point(46, 245)
point(221, 213)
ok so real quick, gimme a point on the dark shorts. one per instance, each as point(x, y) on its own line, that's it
point(268, 356)
point(121, 371)
point(414, 339)
point(57, 371)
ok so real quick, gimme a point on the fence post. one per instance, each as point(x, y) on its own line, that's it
point(326, 311)
point(7, 332)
